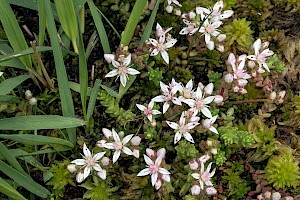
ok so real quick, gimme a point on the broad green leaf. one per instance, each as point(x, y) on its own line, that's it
point(9, 191)
point(133, 20)
point(8, 98)
point(23, 155)
point(37, 122)
point(13, 31)
point(100, 27)
point(16, 62)
point(31, 4)
point(44, 151)
point(62, 78)
point(29, 139)
point(67, 17)
point(9, 84)
point(78, 4)
point(93, 99)
point(11, 159)
point(24, 181)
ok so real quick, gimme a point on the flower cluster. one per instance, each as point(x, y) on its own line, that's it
point(163, 42)
point(120, 145)
point(202, 176)
point(122, 68)
point(207, 22)
point(155, 167)
point(239, 77)
point(87, 164)
point(170, 3)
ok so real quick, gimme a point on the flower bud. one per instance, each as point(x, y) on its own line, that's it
point(276, 196)
point(158, 184)
point(242, 82)
point(281, 94)
point(177, 12)
point(150, 152)
point(272, 95)
point(121, 134)
point(260, 197)
point(210, 45)
point(72, 168)
point(243, 91)
point(218, 99)
point(204, 158)
point(236, 88)
point(193, 165)
point(251, 64)
point(161, 152)
point(209, 88)
point(105, 161)
point(136, 140)
point(169, 9)
point(209, 143)
point(102, 174)
point(206, 123)
point(136, 153)
point(166, 177)
point(107, 133)
point(221, 37)
point(211, 191)
point(109, 57)
point(33, 101)
point(214, 151)
point(192, 15)
point(221, 48)
point(268, 194)
point(200, 85)
point(28, 94)
point(228, 78)
point(195, 190)
point(260, 70)
point(101, 143)
point(153, 123)
point(80, 177)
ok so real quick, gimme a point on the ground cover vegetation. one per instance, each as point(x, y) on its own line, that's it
point(149, 99)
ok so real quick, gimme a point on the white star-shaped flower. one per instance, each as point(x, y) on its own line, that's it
point(208, 123)
point(160, 47)
point(149, 112)
point(210, 29)
point(204, 176)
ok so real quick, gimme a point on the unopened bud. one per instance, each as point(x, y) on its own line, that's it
point(177, 12)
point(102, 174)
point(214, 151)
point(210, 45)
point(228, 78)
point(105, 161)
point(33, 101)
point(121, 134)
point(209, 143)
point(109, 57)
point(158, 184)
point(268, 194)
point(251, 64)
point(221, 48)
point(281, 94)
point(169, 9)
point(150, 152)
point(195, 190)
point(211, 191)
point(221, 37)
point(193, 165)
point(107, 133)
point(209, 88)
point(153, 123)
point(28, 94)
point(272, 95)
point(72, 168)
point(218, 99)
point(161, 152)
point(136, 140)
point(136, 153)
point(276, 196)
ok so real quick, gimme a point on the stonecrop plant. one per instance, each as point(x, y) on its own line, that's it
point(149, 99)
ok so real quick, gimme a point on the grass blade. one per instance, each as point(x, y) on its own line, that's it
point(29, 139)
point(13, 31)
point(37, 122)
point(100, 27)
point(9, 84)
point(67, 17)
point(62, 78)
point(24, 181)
point(93, 99)
point(133, 21)
point(42, 22)
point(8, 98)
point(76, 88)
point(9, 191)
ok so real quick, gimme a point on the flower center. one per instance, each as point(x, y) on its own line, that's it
point(118, 145)
point(160, 47)
point(122, 70)
point(153, 169)
point(210, 29)
point(261, 58)
point(148, 111)
point(205, 176)
point(182, 129)
point(239, 74)
point(90, 162)
point(168, 96)
point(199, 103)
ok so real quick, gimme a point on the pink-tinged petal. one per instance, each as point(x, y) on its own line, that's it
point(196, 176)
point(189, 85)
point(208, 183)
point(219, 5)
point(161, 152)
point(177, 137)
point(98, 156)
point(212, 173)
point(144, 172)
point(207, 38)
point(97, 167)
point(202, 29)
point(266, 66)
point(164, 87)
point(213, 129)
point(156, 112)
point(127, 151)
point(148, 160)
point(136, 153)
point(109, 146)
point(109, 57)
point(115, 136)
point(141, 107)
point(102, 174)
point(107, 133)
point(232, 61)
point(151, 104)
point(116, 155)
point(149, 117)
point(163, 171)
point(159, 98)
point(215, 33)
point(198, 93)
point(165, 107)
point(159, 28)
point(201, 184)
point(216, 24)
point(154, 178)
point(127, 138)
point(182, 119)
point(206, 112)
point(184, 31)
point(176, 101)
point(252, 57)
point(154, 52)
point(80, 177)
point(267, 52)
point(226, 14)
point(132, 71)
point(153, 42)
point(173, 125)
point(79, 162)
point(257, 46)
point(86, 172)
point(116, 64)
point(112, 73)
point(86, 151)
point(165, 56)
point(170, 43)
point(192, 125)
point(127, 60)
point(208, 167)
point(208, 100)
point(162, 39)
point(159, 160)
point(188, 137)
point(123, 80)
